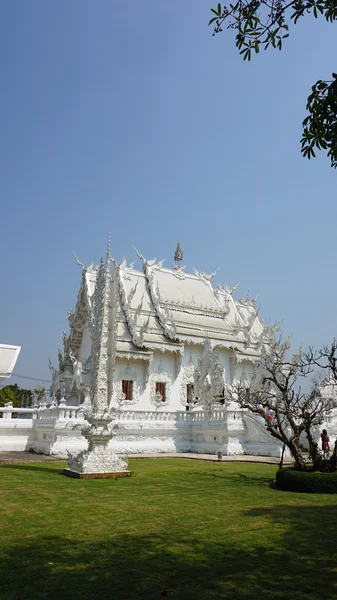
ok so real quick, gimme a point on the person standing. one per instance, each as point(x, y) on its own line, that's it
point(325, 443)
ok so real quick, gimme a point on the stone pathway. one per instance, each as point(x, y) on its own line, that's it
point(31, 457)
point(26, 457)
point(266, 460)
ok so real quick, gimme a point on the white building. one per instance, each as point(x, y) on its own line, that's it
point(136, 337)
point(8, 358)
point(146, 330)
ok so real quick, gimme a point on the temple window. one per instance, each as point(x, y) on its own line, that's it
point(161, 389)
point(127, 387)
point(189, 393)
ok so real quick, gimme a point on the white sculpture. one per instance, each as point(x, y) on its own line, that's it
point(77, 381)
point(99, 460)
point(208, 377)
point(54, 389)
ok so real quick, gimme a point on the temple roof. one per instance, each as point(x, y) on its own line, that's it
point(171, 307)
point(165, 308)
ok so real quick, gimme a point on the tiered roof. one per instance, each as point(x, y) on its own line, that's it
point(160, 308)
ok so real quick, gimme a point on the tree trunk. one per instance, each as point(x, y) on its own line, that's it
point(282, 455)
point(314, 452)
point(296, 452)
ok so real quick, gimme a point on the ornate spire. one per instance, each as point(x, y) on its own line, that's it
point(108, 252)
point(102, 356)
point(178, 255)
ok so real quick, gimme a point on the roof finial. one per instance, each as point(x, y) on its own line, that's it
point(108, 252)
point(178, 255)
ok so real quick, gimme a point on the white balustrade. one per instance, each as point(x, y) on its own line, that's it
point(194, 416)
point(8, 410)
point(62, 412)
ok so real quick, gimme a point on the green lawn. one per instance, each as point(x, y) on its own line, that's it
point(177, 529)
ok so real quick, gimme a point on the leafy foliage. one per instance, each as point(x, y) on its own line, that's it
point(263, 23)
point(292, 480)
point(8, 394)
point(20, 396)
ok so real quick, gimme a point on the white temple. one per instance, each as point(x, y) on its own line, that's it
point(155, 324)
point(136, 339)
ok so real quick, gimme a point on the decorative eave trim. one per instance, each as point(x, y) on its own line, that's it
point(134, 356)
point(137, 334)
point(196, 310)
point(163, 314)
point(241, 357)
point(81, 316)
point(179, 349)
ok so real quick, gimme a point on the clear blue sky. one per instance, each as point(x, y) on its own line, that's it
point(130, 117)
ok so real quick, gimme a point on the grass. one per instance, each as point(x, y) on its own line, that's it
point(177, 529)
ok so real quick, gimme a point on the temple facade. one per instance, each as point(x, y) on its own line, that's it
point(136, 339)
point(157, 320)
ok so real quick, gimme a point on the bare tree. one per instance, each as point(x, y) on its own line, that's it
point(325, 359)
point(275, 393)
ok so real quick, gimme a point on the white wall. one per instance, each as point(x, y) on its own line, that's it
point(168, 367)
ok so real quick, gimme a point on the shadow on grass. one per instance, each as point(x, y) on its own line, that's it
point(33, 467)
point(301, 565)
point(255, 480)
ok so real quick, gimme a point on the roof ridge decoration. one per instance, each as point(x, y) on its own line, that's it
point(84, 267)
point(125, 268)
point(179, 271)
point(241, 325)
point(76, 318)
point(225, 289)
point(178, 267)
point(149, 263)
point(206, 277)
point(247, 301)
point(131, 317)
point(178, 255)
point(164, 315)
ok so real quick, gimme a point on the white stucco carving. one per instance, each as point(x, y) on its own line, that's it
point(208, 377)
point(187, 378)
point(77, 381)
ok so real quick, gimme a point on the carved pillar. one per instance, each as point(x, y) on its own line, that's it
point(103, 351)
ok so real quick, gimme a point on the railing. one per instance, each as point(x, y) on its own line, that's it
point(146, 415)
point(8, 410)
point(218, 415)
point(60, 411)
point(54, 412)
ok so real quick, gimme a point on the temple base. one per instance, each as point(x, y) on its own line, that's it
point(112, 475)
